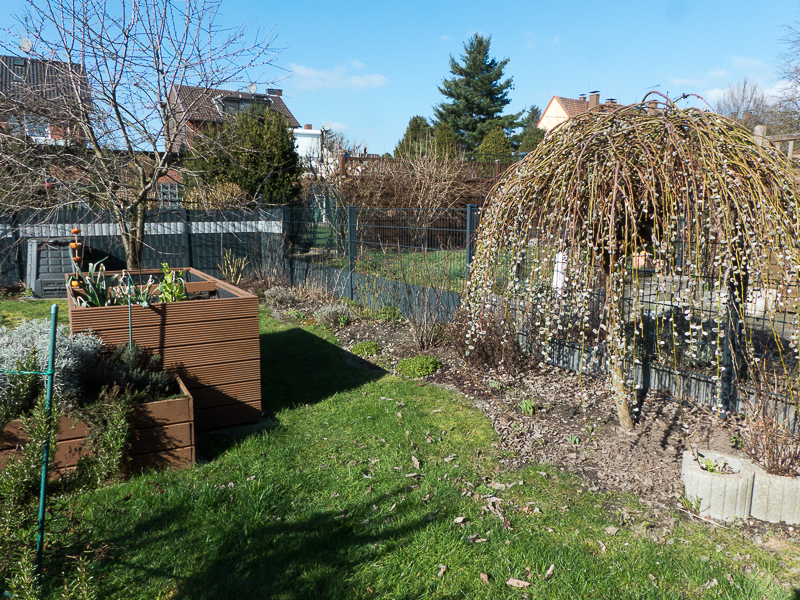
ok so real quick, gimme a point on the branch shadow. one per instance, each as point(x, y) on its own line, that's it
point(315, 556)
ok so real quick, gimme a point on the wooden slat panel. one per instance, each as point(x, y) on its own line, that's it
point(199, 354)
point(244, 391)
point(220, 374)
point(110, 318)
point(157, 439)
point(213, 342)
point(227, 415)
point(164, 412)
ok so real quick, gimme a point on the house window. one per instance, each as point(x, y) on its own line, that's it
point(231, 106)
point(33, 126)
point(170, 193)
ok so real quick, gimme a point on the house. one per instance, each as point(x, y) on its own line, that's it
point(39, 98)
point(560, 109)
point(194, 109)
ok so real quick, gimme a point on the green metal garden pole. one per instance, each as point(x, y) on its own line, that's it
point(48, 410)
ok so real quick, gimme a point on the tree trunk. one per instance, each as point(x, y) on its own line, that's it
point(615, 347)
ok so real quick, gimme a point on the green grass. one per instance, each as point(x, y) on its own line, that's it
point(353, 492)
point(16, 310)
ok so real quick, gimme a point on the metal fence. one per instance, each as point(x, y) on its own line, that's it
point(418, 261)
point(32, 242)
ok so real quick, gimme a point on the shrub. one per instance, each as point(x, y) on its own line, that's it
point(334, 315)
point(366, 348)
point(280, 296)
point(27, 348)
point(496, 348)
point(388, 312)
point(419, 366)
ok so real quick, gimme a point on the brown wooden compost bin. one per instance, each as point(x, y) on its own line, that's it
point(212, 343)
point(163, 436)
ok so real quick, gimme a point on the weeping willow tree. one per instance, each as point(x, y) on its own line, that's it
point(564, 239)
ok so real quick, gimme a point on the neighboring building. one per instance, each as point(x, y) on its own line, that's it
point(308, 142)
point(560, 109)
point(195, 109)
point(38, 97)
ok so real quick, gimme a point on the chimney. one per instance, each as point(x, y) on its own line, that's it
point(274, 92)
point(652, 107)
point(594, 99)
point(307, 126)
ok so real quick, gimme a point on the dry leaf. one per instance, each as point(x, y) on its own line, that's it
point(485, 578)
point(415, 461)
point(550, 572)
point(442, 569)
point(611, 530)
point(602, 546)
point(518, 583)
point(459, 520)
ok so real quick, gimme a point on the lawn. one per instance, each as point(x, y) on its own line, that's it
point(365, 485)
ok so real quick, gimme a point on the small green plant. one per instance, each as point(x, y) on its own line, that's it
point(172, 287)
point(495, 385)
point(691, 504)
point(366, 348)
point(95, 287)
point(232, 268)
point(591, 429)
point(528, 407)
point(128, 293)
point(421, 365)
point(333, 315)
point(388, 312)
point(737, 441)
point(713, 466)
point(573, 439)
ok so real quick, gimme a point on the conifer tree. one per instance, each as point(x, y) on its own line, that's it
point(478, 95)
point(495, 142)
point(415, 139)
point(531, 135)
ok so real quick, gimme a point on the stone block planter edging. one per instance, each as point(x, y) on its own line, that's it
point(724, 497)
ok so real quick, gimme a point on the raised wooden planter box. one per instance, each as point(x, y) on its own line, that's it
point(211, 343)
point(163, 436)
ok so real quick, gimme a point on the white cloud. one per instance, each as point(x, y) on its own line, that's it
point(308, 78)
point(717, 73)
point(446, 37)
point(683, 81)
point(713, 95)
point(744, 62)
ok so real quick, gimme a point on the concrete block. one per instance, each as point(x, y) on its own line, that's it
point(775, 498)
point(723, 496)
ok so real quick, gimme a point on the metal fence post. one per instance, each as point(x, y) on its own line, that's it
point(471, 226)
point(352, 250)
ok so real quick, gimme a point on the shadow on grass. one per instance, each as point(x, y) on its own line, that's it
point(315, 556)
point(298, 367)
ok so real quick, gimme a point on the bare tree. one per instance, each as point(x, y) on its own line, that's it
point(116, 63)
point(745, 102)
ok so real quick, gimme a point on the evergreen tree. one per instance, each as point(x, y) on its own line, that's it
point(531, 135)
point(478, 95)
point(255, 150)
point(445, 142)
point(495, 142)
point(415, 140)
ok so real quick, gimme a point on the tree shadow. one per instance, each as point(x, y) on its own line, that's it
point(314, 556)
point(298, 367)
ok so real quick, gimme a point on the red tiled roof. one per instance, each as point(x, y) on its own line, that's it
point(201, 104)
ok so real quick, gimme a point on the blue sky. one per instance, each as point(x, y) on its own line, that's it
point(365, 68)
